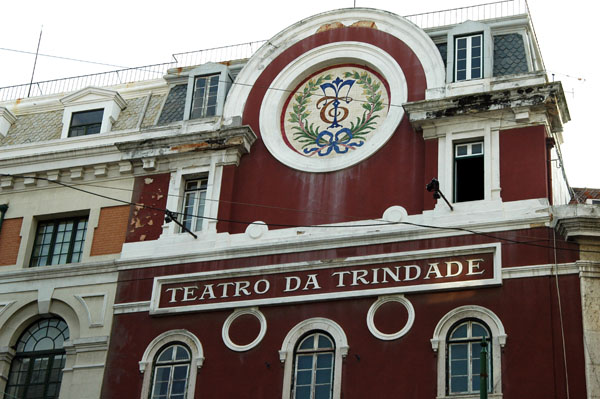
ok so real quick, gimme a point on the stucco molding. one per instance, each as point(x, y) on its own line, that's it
point(401, 299)
point(91, 95)
point(231, 319)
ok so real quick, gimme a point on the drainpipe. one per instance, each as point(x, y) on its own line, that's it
point(3, 209)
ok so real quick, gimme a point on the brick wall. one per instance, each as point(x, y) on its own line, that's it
point(109, 236)
point(10, 240)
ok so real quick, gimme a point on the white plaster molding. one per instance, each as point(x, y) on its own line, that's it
point(395, 214)
point(414, 37)
point(6, 120)
point(232, 317)
point(44, 298)
point(209, 68)
point(171, 336)
point(94, 319)
point(310, 62)
point(464, 29)
point(286, 353)
point(256, 229)
point(377, 304)
point(4, 306)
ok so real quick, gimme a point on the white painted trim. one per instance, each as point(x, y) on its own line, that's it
point(232, 317)
point(377, 304)
point(494, 248)
point(305, 65)
point(414, 37)
point(157, 344)
point(286, 353)
point(440, 334)
point(468, 28)
point(204, 70)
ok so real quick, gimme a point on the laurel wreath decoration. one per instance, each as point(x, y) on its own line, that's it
point(324, 142)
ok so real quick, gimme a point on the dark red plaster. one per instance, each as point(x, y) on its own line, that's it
point(524, 164)
point(531, 360)
point(146, 219)
point(392, 176)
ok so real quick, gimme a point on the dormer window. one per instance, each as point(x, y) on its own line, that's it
point(468, 57)
point(206, 91)
point(90, 111)
point(86, 122)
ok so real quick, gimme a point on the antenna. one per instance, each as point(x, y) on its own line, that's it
point(35, 62)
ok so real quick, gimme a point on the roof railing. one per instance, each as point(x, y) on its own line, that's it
point(481, 12)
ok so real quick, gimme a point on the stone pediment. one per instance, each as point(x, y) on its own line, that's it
point(91, 95)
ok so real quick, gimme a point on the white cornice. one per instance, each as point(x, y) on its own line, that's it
point(94, 95)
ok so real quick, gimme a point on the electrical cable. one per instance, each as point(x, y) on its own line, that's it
point(380, 224)
point(61, 58)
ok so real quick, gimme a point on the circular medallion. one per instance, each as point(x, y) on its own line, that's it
point(381, 301)
point(335, 111)
point(333, 106)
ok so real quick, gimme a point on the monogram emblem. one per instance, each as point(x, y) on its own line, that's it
point(335, 112)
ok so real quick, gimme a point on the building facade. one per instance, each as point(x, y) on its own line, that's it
point(347, 213)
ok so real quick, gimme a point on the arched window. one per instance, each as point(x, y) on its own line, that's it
point(170, 372)
point(456, 339)
point(312, 353)
point(313, 367)
point(464, 357)
point(36, 370)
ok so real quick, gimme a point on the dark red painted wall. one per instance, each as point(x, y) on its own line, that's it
point(524, 164)
point(431, 170)
point(532, 364)
point(146, 219)
point(392, 176)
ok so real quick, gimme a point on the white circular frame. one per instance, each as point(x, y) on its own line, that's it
point(321, 57)
point(377, 304)
point(229, 321)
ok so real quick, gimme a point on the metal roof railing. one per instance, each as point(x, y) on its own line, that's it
point(498, 9)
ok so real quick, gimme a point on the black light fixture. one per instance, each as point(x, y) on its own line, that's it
point(434, 186)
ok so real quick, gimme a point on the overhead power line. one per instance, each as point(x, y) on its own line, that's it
point(380, 224)
point(61, 58)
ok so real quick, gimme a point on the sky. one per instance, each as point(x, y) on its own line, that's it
point(129, 33)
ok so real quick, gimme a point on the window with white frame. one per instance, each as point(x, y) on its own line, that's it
point(170, 365)
point(313, 367)
point(457, 342)
point(170, 372)
point(468, 171)
point(312, 354)
point(194, 200)
point(468, 57)
point(464, 357)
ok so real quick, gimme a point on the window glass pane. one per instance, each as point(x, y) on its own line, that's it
point(323, 391)
point(303, 392)
point(461, 331)
point(476, 52)
point(461, 75)
point(461, 54)
point(305, 362)
point(325, 342)
point(166, 355)
point(323, 376)
point(308, 343)
point(461, 43)
point(324, 360)
point(476, 41)
point(458, 351)
point(304, 377)
point(458, 384)
point(182, 353)
point(479, 331)
point(458, 367)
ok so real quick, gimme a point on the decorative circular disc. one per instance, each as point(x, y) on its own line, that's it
point(335, 111)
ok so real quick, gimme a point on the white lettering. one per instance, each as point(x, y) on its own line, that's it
point(187, 292)
point(433, 269)
point(356, 278)
point(374, 279)
point(257, 289)
point(474, 264)
point(288, 283)
point(224, 292)
point(173, 292)
point(449, 268)
point(388, 272)
point(408, 268)
point(312, 280)
point(208, 290)
point(241, 286)
point(340, 278)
